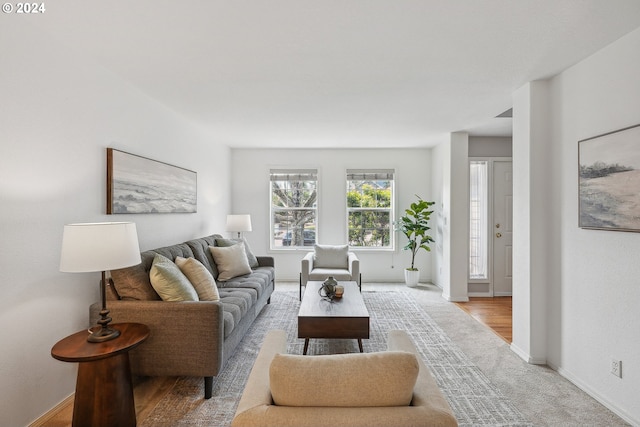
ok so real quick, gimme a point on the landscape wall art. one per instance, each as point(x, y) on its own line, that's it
point(609, 181)
point(136, 185)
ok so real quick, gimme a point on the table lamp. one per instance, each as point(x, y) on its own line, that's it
point(92, 247)
point(238, 223)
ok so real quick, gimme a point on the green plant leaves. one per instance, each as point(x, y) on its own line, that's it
point(415, 225)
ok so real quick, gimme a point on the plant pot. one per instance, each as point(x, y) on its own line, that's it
point(411, 277)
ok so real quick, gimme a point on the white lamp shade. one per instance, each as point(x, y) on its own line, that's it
point(238, 222)
point(99, 247)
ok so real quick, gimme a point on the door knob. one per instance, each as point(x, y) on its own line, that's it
point(498, 235)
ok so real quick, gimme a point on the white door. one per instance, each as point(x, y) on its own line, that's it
point(502, 227)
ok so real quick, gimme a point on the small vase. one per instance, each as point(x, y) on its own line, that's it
point(330, 284)
point(329, 288)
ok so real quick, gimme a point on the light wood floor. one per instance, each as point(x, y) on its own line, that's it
point(496, 313)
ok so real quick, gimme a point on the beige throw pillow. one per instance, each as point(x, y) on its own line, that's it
point(344, 380)
point(331, 256)
point(200, 278)
point(169, 282)
point(231, 261)
point(253, 261)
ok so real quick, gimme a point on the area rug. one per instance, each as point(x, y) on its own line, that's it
point(473, 398)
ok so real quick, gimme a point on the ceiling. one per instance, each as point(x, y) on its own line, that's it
point(338, 73)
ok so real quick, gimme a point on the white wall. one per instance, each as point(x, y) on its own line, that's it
point(450, 174)
point(250, 194)
point(441, 180)
point(593, 303)
point(490, 146)
point(58, 113)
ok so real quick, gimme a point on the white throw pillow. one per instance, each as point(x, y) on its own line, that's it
point(231, 261)
point(200, 278)
point(331, 256)
point(169, 282)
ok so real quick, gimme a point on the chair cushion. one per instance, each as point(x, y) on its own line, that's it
point(331, 256)
point(344, 380)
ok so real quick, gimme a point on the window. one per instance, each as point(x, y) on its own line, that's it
point(294, 194)
point(478, 214)
point(370, 207)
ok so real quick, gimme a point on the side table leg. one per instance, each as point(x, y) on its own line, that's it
point(306, 346)
point(104, 393)
point(360, 345)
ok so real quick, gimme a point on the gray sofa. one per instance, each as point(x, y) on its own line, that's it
point(193, 338)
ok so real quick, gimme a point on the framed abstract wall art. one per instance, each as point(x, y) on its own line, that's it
point(609, 181)
point(136, 184)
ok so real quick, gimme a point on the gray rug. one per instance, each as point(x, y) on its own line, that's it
point(473, 398)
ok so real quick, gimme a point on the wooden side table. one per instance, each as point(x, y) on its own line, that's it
point(104, 389)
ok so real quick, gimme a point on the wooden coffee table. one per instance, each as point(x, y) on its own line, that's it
point(345, 317)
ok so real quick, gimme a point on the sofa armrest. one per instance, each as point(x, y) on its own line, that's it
point(257, 392)
point(306, 267)
point(266, 261)
point(354, 267)
point(185, 340)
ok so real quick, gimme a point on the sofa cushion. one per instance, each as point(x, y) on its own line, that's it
point(200, 278)
point(169, 282)
point(230, 261)
point(331, 256)
point(344, 380)
point(235, 304)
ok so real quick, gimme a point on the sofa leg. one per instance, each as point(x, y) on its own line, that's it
point(208, 387)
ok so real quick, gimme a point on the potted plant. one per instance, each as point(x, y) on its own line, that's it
point(415, 225)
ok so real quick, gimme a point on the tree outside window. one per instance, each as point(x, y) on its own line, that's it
point(370, 208)
point(294, 195)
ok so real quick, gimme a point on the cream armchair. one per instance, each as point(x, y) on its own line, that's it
point(330, 260)
point(380, 389)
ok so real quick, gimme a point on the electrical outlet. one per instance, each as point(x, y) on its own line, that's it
point(616, 368)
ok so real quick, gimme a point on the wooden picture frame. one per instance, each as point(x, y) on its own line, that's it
point(137, 185)
point(609, 181)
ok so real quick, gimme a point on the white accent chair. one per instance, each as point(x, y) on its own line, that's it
point(330, 260)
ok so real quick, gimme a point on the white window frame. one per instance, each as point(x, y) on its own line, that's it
point(312, 172)
point(382, 174)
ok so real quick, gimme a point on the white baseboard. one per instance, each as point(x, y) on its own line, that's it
point(480, 294)
point(597, 396)
point(527, 357)
point(451, 299)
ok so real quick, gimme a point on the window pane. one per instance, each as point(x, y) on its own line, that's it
point(370, 208)
point(293, 208)
point(478, 217)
